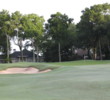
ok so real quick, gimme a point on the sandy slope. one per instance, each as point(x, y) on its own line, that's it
point(29, 70)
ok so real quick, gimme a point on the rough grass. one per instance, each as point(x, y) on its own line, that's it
point(69, 81)
point(40, 66)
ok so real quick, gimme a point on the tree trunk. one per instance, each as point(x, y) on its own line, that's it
point(59, 52)
point(108, 55)
point(7, 40)
point(37, 54)
point(108, 50)
point(21, 53)
point(94, 53)
point(100, 51)
point(108, 46)
point(33, 52)
point(72, 50)
point(33, 56)
point(88, 53)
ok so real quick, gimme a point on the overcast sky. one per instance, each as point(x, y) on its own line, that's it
point(45, 8)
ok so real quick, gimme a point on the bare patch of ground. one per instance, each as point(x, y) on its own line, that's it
point(29, 70)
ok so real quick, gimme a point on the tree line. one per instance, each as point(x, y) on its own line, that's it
point(59, 37)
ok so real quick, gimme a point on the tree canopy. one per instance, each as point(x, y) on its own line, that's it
point(59, 37)
point(92, 27)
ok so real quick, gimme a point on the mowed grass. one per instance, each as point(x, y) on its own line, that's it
point(82, 62)
point(77, 80)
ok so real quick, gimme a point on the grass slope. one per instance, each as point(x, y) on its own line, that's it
point(70, 81)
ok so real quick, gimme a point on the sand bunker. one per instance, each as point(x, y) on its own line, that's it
point(29, 70)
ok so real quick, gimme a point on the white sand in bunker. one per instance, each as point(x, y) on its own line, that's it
point(29, 70)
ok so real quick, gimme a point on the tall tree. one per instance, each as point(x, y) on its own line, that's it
point(33, 28)
point(92, 26)
point(57, 29)
point(18, 30)
point(5, 28)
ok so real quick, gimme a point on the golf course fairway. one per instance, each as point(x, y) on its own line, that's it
point(76, 80)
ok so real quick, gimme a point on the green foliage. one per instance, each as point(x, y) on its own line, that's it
point(61, 35)
point(57, 27)
point(92, 29)
point(33, 25)
point(5, 31)
point(58, 31)
point(17, 26)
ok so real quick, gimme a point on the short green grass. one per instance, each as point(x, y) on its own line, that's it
point(77, 80)
point(82, 62)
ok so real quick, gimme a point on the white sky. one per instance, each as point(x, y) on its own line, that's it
point(45, 8)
